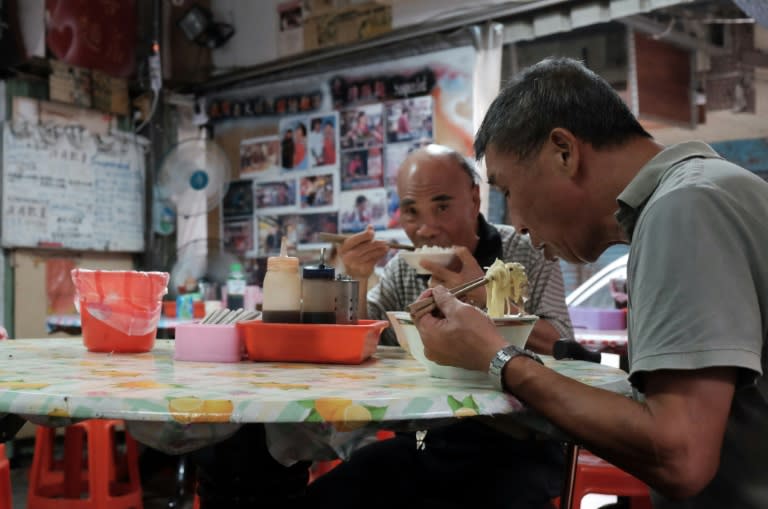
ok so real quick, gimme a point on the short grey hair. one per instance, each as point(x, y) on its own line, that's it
point(467, 164)
point(556, 92)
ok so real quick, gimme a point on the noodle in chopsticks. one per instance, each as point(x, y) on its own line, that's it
point(507, 281)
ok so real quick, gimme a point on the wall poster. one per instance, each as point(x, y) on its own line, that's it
point(331, 144)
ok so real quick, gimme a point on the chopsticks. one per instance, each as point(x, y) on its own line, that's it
point(226, 316)
point(336, 237)
point(422, 307)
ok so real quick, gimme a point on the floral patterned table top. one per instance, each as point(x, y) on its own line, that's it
point(57, 381)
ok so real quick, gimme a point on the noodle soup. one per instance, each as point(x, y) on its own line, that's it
point(514, 329)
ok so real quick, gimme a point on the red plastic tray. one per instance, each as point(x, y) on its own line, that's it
point(305, 342)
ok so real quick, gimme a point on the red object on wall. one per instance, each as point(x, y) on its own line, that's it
point(96, 34)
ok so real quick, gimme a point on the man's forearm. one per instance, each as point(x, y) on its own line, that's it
point(660, 440)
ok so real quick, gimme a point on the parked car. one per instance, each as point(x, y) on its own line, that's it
point(598, 309)
point(600, 290)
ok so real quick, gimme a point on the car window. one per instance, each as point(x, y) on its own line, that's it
point(606, 290)
point(601, 298)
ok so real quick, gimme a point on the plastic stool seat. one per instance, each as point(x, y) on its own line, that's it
point(595, 475)
point(5, 480)
point(109, 478)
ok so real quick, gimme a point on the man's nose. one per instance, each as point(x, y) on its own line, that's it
point(427, 230)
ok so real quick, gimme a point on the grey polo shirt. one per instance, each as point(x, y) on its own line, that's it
point(698, 297)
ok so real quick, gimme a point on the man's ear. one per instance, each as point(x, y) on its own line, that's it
point(565, 149)
point(476, 198)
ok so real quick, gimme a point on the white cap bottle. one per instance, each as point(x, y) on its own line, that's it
point(282, 289)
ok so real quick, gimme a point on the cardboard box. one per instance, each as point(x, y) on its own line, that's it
point(70, 84)
point(347, 25)
point(315, 7)
point(110, 94)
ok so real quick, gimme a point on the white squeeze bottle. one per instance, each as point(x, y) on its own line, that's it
point(282, 288)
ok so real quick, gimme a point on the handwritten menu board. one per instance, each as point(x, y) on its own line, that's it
point(71, 190)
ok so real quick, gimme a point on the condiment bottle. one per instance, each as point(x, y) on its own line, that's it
point(317, 293)
point(282, 289)
point(235, 287)
point(346, 298)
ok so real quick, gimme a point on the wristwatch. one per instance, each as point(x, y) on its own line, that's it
point(502, 357)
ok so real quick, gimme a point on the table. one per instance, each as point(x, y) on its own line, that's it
point(178, 406)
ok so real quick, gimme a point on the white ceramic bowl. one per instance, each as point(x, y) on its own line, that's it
point(413, 258)
point(514, 329)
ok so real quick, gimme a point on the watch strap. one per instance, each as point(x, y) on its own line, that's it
point(502, 358)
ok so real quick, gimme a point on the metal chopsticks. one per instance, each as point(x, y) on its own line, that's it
point(336, 237)
point(225, 316)
point(422, 307)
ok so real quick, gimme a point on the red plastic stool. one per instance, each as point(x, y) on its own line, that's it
point(595, 475)
point(5, 480)
point(110, 479)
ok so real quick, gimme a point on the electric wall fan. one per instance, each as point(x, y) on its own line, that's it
point(194, 176)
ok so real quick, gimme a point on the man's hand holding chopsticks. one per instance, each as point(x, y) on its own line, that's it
point(463, 268)
point(459, 335)
point(361, 252)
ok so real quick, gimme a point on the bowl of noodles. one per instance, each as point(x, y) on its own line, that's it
point(506, 284)
point(514, 328)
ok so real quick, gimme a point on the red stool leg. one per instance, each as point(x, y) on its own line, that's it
point(75, 471)
point(595, 475)
point(107, 491)
point(99, 472)
point(5, 480)
point(43, 476)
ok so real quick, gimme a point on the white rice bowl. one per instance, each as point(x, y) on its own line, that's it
point(435, 254)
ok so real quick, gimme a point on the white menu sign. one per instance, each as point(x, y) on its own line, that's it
point(70, 190)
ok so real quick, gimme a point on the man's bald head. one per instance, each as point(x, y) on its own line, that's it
point(446, 157)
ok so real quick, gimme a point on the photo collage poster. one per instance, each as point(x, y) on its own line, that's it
point(293, 180)
point(334, 169)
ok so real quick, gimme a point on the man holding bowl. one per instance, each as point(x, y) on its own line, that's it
point(440, 206)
